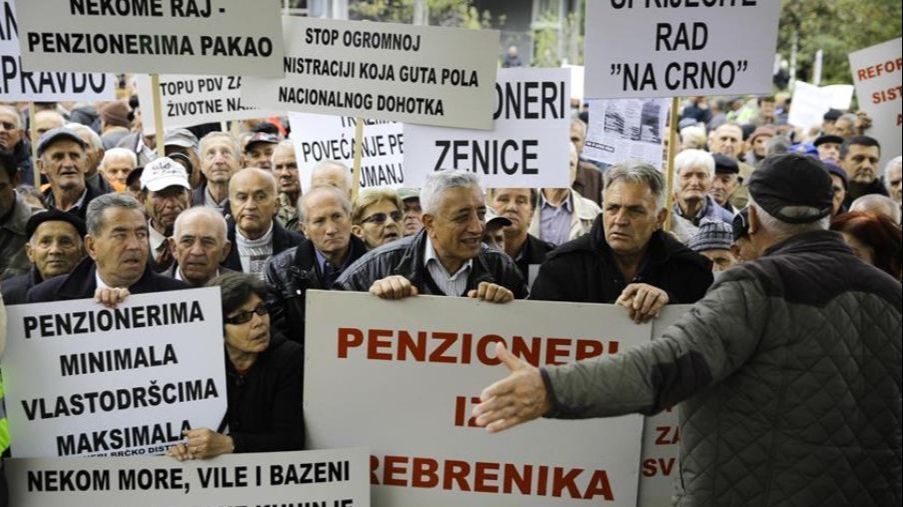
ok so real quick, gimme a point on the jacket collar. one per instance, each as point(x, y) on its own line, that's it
point(662, 247)
point(411, 263)
point(808, 242)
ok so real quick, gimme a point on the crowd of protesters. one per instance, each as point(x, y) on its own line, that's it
point(109, 217)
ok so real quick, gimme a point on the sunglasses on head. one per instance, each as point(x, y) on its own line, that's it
point(242, 317)
point(380, 218)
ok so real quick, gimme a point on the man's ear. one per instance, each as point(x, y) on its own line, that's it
point(227, 247)
point(660, 218)
point(358, 231)
point(428, 221)
point(90, 246)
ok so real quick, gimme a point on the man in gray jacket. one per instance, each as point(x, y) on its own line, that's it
point(788, 370)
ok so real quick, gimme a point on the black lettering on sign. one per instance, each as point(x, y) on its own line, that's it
point(68, 480)
point(531, 100)
point(489, 156)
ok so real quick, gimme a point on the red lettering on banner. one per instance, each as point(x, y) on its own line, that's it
point(873, 71)
point(461, 411)
point(444, 347)
point(667, 435)
point(492, 477)
point(652, 466)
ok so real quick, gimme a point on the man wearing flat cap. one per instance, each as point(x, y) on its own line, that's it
point(725, 181)
point(62, 158)
point(828, 146)
point(54, 248)
point(786, 374)
point(258, 150)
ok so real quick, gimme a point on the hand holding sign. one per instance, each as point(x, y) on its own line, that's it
point(518, 398)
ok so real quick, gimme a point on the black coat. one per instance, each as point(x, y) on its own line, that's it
point(16, 288)
point(283, 239)
point(81, 284)
point(534, 252)
point(264, 412)
point(81, 210)
point(405, 257)
point(583, 270)
point(290, 274)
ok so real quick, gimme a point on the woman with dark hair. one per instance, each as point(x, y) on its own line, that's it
point(874, 238)
point(263, 377)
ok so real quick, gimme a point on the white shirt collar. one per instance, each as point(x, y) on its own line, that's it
point(429, 254)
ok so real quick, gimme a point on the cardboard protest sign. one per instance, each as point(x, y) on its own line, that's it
point(410, 373)
point(319, 137)
point(17, 84)
point(622, 129)
point(82, 379)
point(877, 75)
point(152, 36)
point(527, 147)
point(337, 478)
point(810, 102)
point(661, 436)
point(679, 48)
point(385, 71)
point(192, 99)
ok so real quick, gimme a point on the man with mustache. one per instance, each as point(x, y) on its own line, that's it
point(116, 265)
point(62, 158)
point(166, 191)
point(253, 232)
point(859, 157)
point(446, 258)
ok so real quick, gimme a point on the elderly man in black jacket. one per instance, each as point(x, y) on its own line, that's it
point(447, 257)
point(117, 249)
point(626, 258)
point(324, 213)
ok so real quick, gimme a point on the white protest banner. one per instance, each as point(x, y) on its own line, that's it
point(877, 76)
point(578, 76)
point(217, 37)
point(20, 85)
point(192, 99)
point(319, 137)
point(337, 478)
point(410, 374)
point(527, 147)
point(82, 379)
point(661, 436)
point(810, 102)
point(622, 129)
point(386, 71)
point(640, 48)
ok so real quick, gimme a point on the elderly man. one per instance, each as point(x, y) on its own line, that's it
point(178, 142)
point(626, 258)
point(446, 258)
point(879, 205)
point(778, 368)
point(62, 159)
point(893, 179)
point(727, 140)
point(326, 251)
point(258, 150)
point(518, 205)
point(563, 214)
point(166, 193)
point(14, 215)
point(54, 248)
point(839, 185)
point(828, 147)
point(199, 245)
point(46, 120)
point(94, 153)
point(694, 172)
point(588, 181)
point(713, 241)
point(116, 244)
point(116, 165)
point(285, 169)
point(14, 142)
point(757, 142)
point(219, 161)
point(333, 173)
point(725, 181)
point(254, 233)
point(859, 157)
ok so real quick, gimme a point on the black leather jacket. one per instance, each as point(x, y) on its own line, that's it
point(405, 257)
point(290, 274)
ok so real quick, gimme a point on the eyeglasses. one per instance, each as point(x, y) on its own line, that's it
point(380, 218)
point(242, 317)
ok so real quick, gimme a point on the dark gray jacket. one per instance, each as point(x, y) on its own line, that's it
point(790, 368)
point(405, 257)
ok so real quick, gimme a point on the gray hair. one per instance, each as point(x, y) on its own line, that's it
point(784, 230)
point(97, 206)
point(95, 140)
point(777, 145)
point(329, 189)
point(693, 136)
point(204, 211)
point(119, 153)
point(636, 171)
point(330, 163)
point(879, 204)
point(213, 136)
point(692, 158)
point(440, 181)
point(895, 163)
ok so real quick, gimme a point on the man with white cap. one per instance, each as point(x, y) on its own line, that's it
point(167, 193)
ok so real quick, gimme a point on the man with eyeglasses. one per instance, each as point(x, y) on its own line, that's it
point(324, 213)
point(446, 258)
point(254, 233)
point(14, 142)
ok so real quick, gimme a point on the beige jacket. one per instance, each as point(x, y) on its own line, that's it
point(585, 212)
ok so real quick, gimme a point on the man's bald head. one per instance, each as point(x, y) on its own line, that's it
point(878, 204)
point(331, 173)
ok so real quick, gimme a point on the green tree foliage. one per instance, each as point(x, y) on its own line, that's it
point(457, 13)
point(837, 27)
